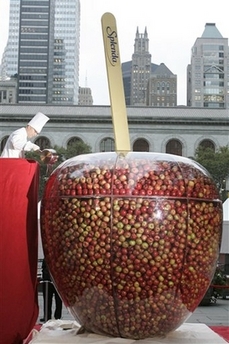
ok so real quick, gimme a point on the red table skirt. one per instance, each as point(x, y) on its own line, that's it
point(19, 180)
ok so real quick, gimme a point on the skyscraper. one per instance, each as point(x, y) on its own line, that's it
point(9, 61)
point(141, 68)
point(67, 28)
point(146, 83)
point(36, 43)
point(61, 21)
point(208, 73)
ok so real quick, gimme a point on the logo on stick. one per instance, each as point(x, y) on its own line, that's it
point(112, 43)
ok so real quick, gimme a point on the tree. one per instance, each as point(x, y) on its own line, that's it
point(216, 163)
point(74, 149)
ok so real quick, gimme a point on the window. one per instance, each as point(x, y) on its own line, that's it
point(43, 142)
point(207, 144)
point(107, 145)
point(141, 145)
point(174, 147)
point(3, 142)
point(74, 140)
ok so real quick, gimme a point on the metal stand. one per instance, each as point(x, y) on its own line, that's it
point(45, 295)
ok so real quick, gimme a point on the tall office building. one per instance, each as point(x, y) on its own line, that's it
point(146, 83)
point(67, 28)
point(9, 63)
point(59, 95)
point(141, 68)
point(60, 20)
point(36, 43)
point(208, 73)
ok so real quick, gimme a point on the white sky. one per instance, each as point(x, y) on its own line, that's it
point(173, 27)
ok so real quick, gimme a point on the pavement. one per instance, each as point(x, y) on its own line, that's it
point(215, 314)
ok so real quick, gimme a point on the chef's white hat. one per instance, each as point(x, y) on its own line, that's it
point(38, 121)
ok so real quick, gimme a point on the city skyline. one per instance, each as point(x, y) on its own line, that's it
point(171, 27)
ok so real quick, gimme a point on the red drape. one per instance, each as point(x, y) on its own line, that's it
point(18, 248)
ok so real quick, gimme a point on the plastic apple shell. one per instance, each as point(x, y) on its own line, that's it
point(131, 240)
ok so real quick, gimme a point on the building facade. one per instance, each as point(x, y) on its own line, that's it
point(85, 96)
point(145, 83)
point(141, 68)
point(208, 73)
point(67, 29)
point(36, 43)
point(8, 91)
point(36, 26)
point(162, 87)
point(9, 63)
point(173, 130)
point(59, 95)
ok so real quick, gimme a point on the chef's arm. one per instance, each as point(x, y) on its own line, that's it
point(29, 146)
point(20, 143)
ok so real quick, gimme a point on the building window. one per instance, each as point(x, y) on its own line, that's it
point(207, 144)
point(168, 87)
point(141, 145)
point(43, 142)
point(174, 147)
point(3, 142)
point(163, 87)
point(74, 140)
point(107, 145)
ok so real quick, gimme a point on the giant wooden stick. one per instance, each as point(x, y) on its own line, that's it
point(115, 82)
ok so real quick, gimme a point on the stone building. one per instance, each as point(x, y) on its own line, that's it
point(177, 130)
point(8, 91)
point(85, 96)
point(146, 83)
point(208, 73)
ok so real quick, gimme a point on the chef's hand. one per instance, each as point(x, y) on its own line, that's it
point(31, 147)
point(36, 147)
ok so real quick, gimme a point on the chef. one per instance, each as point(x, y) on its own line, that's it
point(19, 141)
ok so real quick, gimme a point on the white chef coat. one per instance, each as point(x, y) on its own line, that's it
point(17, 144)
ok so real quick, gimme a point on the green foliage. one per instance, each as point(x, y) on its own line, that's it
point(219, 279)
point(75, 149)
point(216, 163)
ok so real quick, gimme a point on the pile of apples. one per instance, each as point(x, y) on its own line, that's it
point(131, 240)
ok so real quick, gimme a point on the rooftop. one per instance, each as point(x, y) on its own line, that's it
point(211, 31)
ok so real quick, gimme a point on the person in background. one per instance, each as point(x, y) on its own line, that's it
point(49, 291)
point(19, 140)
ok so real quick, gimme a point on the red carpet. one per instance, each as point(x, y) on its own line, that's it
point(222, 331)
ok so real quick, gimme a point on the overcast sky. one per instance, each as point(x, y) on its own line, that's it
point(173, 27)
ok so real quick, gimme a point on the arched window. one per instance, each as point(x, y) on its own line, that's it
point(174, 147)
point(107, 145)
point(207, 144)
point(73, 140)
point(3, 142)
point(43, 142)
point(141, 145)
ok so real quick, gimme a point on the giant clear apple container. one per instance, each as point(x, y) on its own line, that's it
point(131, 240)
